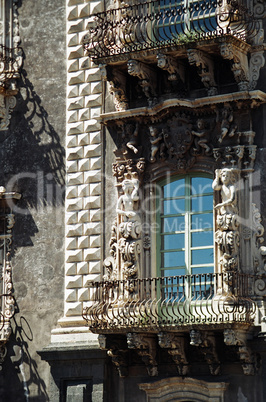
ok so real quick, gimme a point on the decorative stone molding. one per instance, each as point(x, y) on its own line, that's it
point(180, 389)
point(146, 348)
point(207, 346)
point(204, 64)
point(175, 346)
point(246, 356)
point(147, 79)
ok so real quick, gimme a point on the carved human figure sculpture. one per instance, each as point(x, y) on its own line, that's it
point(127, 208)
point(224, 182)
point(201, 133)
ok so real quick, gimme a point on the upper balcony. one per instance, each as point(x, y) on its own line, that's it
point(166, 25)
point(164, 49)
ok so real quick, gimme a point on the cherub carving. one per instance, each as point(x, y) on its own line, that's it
point(157, 143)
point(133, 140)
point(227, 128)
point(201, 141)
point(224, 182)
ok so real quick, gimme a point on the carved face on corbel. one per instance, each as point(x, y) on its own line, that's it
point(133, 67)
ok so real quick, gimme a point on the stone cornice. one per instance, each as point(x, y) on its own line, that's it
point(254, 98)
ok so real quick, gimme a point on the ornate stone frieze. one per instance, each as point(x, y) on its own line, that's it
point(240, 156)
point(247, 358)
point(175, 69)
point(207, 346)
point(175, 346)
point(146, 348)
point(147, 79)
point(204, 64)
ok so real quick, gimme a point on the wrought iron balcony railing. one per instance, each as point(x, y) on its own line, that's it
point(170, 302)
point(165, 23)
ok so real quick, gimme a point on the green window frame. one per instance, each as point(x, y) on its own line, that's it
point(185, 244)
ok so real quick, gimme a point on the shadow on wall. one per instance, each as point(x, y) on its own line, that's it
point(31, 161)
point(26, 368)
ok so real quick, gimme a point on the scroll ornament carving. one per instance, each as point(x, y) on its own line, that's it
point(7, 104)
point(207, 346)
point(147, 79)
point(259, 8)
point(246, 356)
point(227, 235)
point(175, 346)
point(205, 68)
point(146, 348)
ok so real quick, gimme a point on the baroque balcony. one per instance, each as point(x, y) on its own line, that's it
point(165, 25)
point(166, 49)
point(175, 303)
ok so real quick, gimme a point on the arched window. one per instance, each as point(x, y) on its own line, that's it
point(185, 214)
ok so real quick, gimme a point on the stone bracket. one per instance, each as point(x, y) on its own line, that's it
point(117, 88)
point(239, 64)
point(175, 346)
point(146, 349)
point(147, 79)
point(118, 354)
point(175, 69)
point(247, 358)
point(207, 347)
point(204, 64)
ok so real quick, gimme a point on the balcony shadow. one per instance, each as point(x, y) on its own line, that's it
point(31, 161)
point(20, 368)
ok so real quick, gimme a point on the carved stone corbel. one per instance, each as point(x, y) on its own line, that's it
point(117, 86)
point(146, 349)
point(204, 64)
point(239, 64)
point(207, 346)
point(246, 356)
point(175, 346)
point(175, 69)
point(147, 77)
point(117, 353)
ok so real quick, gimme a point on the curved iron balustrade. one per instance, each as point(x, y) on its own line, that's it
point(170, 302)
point(163, 23)
point(8, 65)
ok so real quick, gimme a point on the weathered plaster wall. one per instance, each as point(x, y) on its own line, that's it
point(32, 162)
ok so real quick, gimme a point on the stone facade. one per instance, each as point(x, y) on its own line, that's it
point(95, 112)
